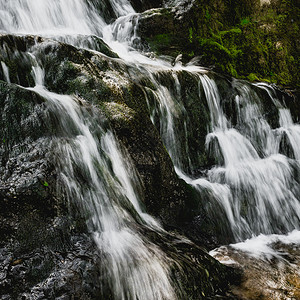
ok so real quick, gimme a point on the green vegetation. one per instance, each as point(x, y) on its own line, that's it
point(240, 38)
point(261, 43)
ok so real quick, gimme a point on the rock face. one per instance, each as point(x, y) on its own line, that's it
point(45, 249)
point(142, 5)
point(232, 37)
point(105, 9)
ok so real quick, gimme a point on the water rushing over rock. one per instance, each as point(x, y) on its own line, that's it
point(97, 96)
point(109, 194)
point(237, 149)
point(263, 183)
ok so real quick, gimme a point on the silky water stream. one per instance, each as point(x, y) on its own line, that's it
point(108, 195)
point(252, 191)
point(98, 175)
point(253, 182)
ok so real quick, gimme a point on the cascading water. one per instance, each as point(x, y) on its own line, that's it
point(109, 194)
point(5, 71)
point(254, 182)
point(48, 18)
point(291, 130)
point(257, 186)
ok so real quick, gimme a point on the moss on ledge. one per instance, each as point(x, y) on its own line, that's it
point(238, 38)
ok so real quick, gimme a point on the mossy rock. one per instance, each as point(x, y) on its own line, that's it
point(238, 38)
point(18, 63)
point(17, 105)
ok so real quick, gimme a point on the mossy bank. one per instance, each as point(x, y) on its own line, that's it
point(253, 40)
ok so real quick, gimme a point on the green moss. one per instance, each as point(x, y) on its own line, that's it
point(162, 38)
point(232, 71)
point(160, 41)
point(207, 15)
point(245, 21)
point(214, 47)
point(191, 34)
point(237, 37)
point(252, 77)
point(231, 32)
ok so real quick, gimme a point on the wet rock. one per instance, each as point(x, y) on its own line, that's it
point(291, 98)
point(104, 8)
point(142, 5)
point(162, 191)
point(43, 273)
point(18, 63)
point(162, 31)
point(45, 249)
point(274, 275)
point(230, 37)
point(103, 81)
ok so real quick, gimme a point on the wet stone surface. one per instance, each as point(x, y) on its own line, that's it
point(265, 276)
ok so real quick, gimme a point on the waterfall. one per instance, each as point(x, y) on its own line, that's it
point(253, 183)
point(96, 172)
point(291, 130)
point(5, 71)
point(49, 18)
point(109, 194)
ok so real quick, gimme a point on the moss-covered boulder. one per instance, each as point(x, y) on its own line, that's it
point(240, 38)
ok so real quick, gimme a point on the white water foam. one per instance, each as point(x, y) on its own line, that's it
point(261, 245)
